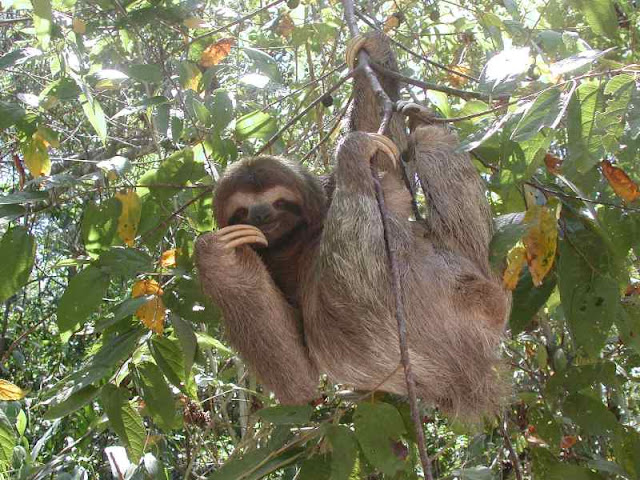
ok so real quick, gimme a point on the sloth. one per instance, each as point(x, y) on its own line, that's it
point(302, 275)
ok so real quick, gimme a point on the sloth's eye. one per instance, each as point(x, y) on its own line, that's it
point(280, 203)
point(239, 215)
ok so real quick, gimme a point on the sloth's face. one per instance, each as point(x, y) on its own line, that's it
point(277, 212)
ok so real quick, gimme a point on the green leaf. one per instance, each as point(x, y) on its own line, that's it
point(17, 254)
point(187, 338)
point(169, 357)
point(221, 107)
point(10, 114)
point(628, 323)
point(528, 300)
point(344, 451)
point(100, 225)
point(377, 426)
point(74, 401)
point(125, 420)
point(42, 20)
point(177, 169)
point(207, 341)
point(157, 395)
point(125, 262)
point(123, 310)
point(23, 197)
point(256, 124)
point(265, 63)
point(7, 442)
point(542, 112)
point(82, 297)
point(548, 428)
point(255, 465)
point(509, 229)
point(317, 467)
point(18, 57)
point(589, 299)
point(590, 414)
point(286, 414)
point(600, 15)
point(95, 115)
point(145, 73)
point(584, 141)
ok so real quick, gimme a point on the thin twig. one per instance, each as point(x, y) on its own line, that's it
point(22, 336)
point(235, 22)
point(387, 104)
point(515, 461)
point(558, 193)
point(288, 125)
point(330, 132)
point(177, 212)
point(465, 94)
point(414, 54)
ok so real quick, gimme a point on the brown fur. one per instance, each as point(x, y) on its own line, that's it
point(332, 279)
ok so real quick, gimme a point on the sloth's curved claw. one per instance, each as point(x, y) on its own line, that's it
point(417, 113)
point(386, 146)
point(237, 235)
point(353, 47)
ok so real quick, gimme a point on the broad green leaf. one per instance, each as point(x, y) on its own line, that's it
point(207, 341)
point(18, 57)
point(221, 107)
point(504, 70)
point(257, 124)
point(23, 197)
point(178, 169)
point(542, 112)
point(7, 442)
point(187, 338)
point(99, 225)
point(287, 414)
point(590, 414)
point(168, 355)
point(82, 297)
point(122, 311)
point(576, 61)
point(318, 467)
point(42, 20)
point(627, 450)
point(76, 400)
point(95, 115)
point(547, 427)
point(17, 255)
point(377, 426)
point(125, 262)
point(528, 300)
point(600, 15)
point(590, 299)
point(157, 395)
point(124, 420)
point(344, 451)
point(628, 323)
point(584, 141)
point(10, 114)
point(146, 73)
point(265, 63)
point(508, 231)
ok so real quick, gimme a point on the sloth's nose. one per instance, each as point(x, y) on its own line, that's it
point(259, 214)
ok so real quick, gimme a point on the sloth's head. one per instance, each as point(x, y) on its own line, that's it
point(279, 197)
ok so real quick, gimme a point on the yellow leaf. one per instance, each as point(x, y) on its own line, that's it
point(168, 258)
point(9, 391)
point(129, 217)
point(194, 22)
point(151, 314)
point(146, 287)
point(36, 156)
point(78, 26)
point(515, 262)
point(216, 52)
point(624, 187)
point(540, 241)
point(285, 26)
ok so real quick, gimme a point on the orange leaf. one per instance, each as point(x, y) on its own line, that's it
point(9, 391)
point(553, 163)
point(458, 80)
point(624, 187)
point(168, 258)
point(216, 52)
point(568, 441)
point(78, 26)
point(391, 22)
point(515, 262)
point(285, 26)
point(146, 287)
point(540, 241)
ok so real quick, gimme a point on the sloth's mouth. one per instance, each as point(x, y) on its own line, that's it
point(269, 227)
